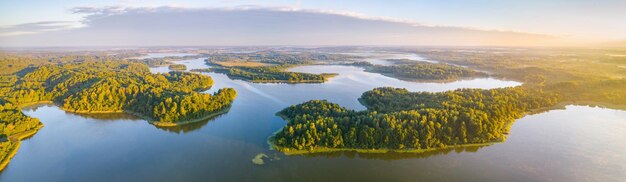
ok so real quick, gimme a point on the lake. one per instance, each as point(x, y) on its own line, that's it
point(577, 143)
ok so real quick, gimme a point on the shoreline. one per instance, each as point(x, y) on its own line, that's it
point(208, 116)
point(325, 76)
point(147, 119)
point(21, 106)
point(291, 151)
point(558, 106)
point(418, 80)
point(280, 81)
point(17, 139)
point(9, 156)
point(25, 134)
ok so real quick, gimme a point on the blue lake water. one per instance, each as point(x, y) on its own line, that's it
point(578, 143)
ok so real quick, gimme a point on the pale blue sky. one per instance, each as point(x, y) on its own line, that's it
point(600, 20)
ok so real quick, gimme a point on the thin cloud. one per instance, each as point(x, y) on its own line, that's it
point(248, 25)
point(97, 12)
point(37, 27)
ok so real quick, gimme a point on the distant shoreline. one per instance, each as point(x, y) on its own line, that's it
point(326, 77)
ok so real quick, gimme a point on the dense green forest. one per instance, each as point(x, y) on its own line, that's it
point(14, 126)
point(120, 86)
point(403, 121)
point(425, 71)
point(177, 67)
point(271, 74)
point(102, 86)
point(397, 119)
point(11, 63)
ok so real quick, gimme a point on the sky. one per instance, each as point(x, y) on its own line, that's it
point(390, 22)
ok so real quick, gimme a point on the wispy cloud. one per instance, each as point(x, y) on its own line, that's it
point(95, 12)
point(248, 25)
point(38, 27)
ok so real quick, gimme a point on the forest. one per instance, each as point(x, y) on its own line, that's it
point(120, 86)
point(424, 71)
point(399, 120)
point(98, 85)
point(272, 74)
point(177, 67)
point(270, 66)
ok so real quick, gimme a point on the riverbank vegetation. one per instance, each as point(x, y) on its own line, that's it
point(272, 74)
point(425, 72)
point(399, 120)
point(267, 67)
point(177, 67)
point(164, 61)
point(578, 75)
point(102, 86)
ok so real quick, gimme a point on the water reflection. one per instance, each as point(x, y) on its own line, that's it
point(162, 55)
point(575, 144)
point(186, 128)
point(124, 117)
point(382, 58)
point(191, 64)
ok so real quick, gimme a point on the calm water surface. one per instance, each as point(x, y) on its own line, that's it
point(381, 58)
point(575, 144)
point(162, 55)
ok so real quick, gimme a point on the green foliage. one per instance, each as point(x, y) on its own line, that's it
point(11, 63)
point(120, 86)
point(178, 67)
point(398, 119)
point(424, 71)
point(96, 85)
point(7, 150)
point(271, 74)
point(12, 121)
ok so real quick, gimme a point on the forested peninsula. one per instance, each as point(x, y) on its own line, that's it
point(272, 74)
point(177, 67)
point(403, 121)
point(97, 86)
point(267, 71)
point(425, 72)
